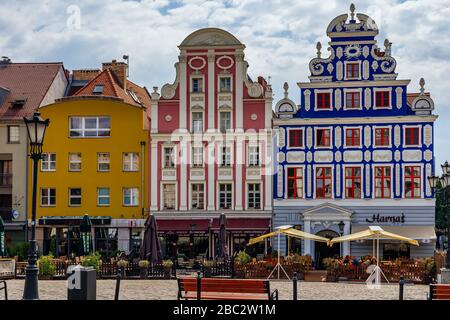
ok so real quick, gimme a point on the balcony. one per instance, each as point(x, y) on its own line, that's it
point(6, 180)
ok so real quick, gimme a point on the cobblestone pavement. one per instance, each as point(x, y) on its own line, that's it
point(167, 290)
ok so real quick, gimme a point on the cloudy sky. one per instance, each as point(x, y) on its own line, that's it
point(280, 36)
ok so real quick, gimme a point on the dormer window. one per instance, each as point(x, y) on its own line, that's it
point(18, 103)
point(225, 84)
point(197, 85)
point(98, 89)
point(352, 70)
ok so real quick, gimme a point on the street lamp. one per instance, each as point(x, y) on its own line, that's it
point(341, 226)
point(445, 183)
point(36, 127)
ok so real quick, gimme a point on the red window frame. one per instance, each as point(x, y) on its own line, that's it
point(293, 176)
point(352, 97)
point(412, 136)
point(381, 140)
point(296, 138)
point(323, 100)
point(382, 99)
point(354, 139)
point(326, 137)
point(383, 178)
point(326, 175)
point(352, 178)
point(411, 178)
point(352, 70)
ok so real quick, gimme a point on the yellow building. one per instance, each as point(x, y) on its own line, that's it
point(95, 162)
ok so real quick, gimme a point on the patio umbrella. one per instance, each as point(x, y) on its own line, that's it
point(2, 239)
point(222, 240)
point(375, 233)
point(86, 236)
point(151, 247)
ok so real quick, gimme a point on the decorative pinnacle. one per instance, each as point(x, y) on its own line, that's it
point(352, 11)
point(318, 47)
point(387, 46)
point(422, 85)
point(155, 89)
point(286, 88)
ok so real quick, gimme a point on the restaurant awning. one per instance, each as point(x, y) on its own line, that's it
point(182, 225)
point(413, 232)
point(73, 220)
point(203, 225)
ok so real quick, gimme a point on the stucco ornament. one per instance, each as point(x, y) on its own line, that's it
point(168, 118)
point(352, 51)
point(316, 65)
point(168, 90)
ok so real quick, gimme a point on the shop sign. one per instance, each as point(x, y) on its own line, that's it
point(384, 218)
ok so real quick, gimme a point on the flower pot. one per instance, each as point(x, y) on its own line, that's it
point(143, 273)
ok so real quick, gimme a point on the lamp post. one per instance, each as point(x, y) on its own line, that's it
point(36, 127)
point(445, 191)
point(341, 226)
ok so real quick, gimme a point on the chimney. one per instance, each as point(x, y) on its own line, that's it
point(119, 70)
point(85, 74)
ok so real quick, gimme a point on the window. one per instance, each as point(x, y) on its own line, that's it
point(353, 182)
point(323, 137)
point(296, 138)
point(382, 182)
point(225, 159)
point(75, 161)
point(168, 157)
point(197, 156)
point(225, 195)
point(412, 182)
point(75, 197)
point(98, 89)
point(254, 196)
point(412, 136)
point(295, 183)
point(197, 85)
point(352, 100)
point(90, 126)
point(197, 122)
point(130, 196)
point(48, 197)
point(352, 137)
point(225, 84)
point(169, 196)
point(131, 161)
point(392, 251)
point(225, 121)
point(324, 100)
point(382, 137)
point(352, 70)
point(13, 134)
point(382, 99)
point(48, 162)
point(253, 155)
point(198, 196)
point(323, 182)
point(103, 161)
point(6, 177)
point(103, 197)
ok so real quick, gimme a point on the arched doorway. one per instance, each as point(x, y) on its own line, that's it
point(322, 250)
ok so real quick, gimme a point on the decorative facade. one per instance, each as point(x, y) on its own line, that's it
point(211, 145)
point(358, 149)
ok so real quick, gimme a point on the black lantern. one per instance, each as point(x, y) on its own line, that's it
point(445, 168)
point(341, 226)
point(36, 128)
point(433, 180)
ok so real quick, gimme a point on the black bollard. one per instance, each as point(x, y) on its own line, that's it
point(401, 283)
point(118, 277)
point(294, 285)
point(199, 282)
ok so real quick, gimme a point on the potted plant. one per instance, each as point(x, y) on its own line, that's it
point(143, 267)
point(206, 267)
point(92, 260)
point(47, 268)
point(430, 270)
point(122, 264)
point(331, 265)
point(167, 265)
point(241, 259)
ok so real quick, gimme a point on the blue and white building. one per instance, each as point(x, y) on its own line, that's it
point(357, 150)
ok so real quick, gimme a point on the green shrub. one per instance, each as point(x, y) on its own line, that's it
point(243, 258)
point(20, 250)
point(46, 266)
point(167, 264)
point(92, 260)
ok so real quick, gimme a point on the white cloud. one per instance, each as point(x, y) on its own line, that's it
point(280, 36)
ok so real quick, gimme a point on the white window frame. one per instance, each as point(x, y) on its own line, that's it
point(361, 167)
point(75, 197)
point(345, 69)
point(99, 162)
point(231, 83)
point(392, 179)
point(220, 120)
point(316, 146)
point(124, 189)
point(75, 162)
point(232, 195)
point(251, 156)
point(360, 137)
point(375, 90)
point(332, 180)
point(175, 184)
point(422, 175)
point(346, 90)
point(191, 195)
point(192, 120)
point(230, 155)
point(9, 135)
point(420, 136)
point(83, 129)
point(286, 167)
point(46, 164)
point(195, 155)
point(247, 195)
point(316, 92)
point(289, 140)
point(163, 156)
point(131, 167)
point(47, 204)
point(99, 196)
point(374, 137)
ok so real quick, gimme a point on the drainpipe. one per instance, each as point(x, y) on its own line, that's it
point(143, 177)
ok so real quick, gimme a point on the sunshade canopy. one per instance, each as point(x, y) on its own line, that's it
point(289, 232)
point(413, 232)
point(372, 232)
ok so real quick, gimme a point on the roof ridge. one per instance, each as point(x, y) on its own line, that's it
point(113, 81)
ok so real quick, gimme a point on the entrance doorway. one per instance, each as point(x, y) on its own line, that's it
point(322, 250)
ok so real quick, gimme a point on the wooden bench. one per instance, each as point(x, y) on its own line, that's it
point(225, 289)
point(439, 292)
point(7, 269)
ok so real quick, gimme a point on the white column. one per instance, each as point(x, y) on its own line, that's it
point(183, 174)
point(154, 110)
point(346, 245)
point(239, 91)
point(183, 91)
point(307, 228)
point(268, 109)
point(211, 91)
point(154, 177)
point(211, 180)
point(268, 171)
point(239, 185)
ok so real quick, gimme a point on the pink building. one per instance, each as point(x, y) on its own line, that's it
point(211, 145)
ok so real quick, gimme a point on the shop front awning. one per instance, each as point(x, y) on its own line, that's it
point(412, 232)
point(73, 220)
point(182, 225)
point(204, 225)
